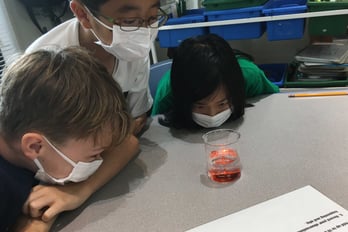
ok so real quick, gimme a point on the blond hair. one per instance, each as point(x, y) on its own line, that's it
point(63, 94)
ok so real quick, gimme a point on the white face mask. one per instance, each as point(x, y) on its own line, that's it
point(80, 172)
point(211, 121)
point(128, 46)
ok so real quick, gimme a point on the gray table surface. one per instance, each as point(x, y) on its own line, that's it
point(286, 143)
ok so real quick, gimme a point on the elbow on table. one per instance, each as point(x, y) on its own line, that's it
point(134, 144)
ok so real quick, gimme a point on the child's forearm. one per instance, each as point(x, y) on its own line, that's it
point(28, 224)
point(114, 161)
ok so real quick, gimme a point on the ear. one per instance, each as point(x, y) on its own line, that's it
point(81, 13)
point(31, 144)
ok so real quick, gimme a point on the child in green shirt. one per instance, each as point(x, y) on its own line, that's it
point(208, 84)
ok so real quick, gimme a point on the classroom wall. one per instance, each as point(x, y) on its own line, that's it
point(16, 29)
point(22, 30)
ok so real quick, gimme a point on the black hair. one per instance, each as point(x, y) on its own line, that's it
point(200, 65)
point(93, 5)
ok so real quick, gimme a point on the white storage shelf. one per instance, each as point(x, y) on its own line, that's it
point(256, 19)
point(248, 20)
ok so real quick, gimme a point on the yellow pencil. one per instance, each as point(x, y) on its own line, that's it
point(319, 94)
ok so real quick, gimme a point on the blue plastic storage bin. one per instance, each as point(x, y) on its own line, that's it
point(285, 29)
point(236, 31)
point(172, 38)
point(276, 73)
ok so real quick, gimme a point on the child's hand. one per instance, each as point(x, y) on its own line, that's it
point(46, 202)
point(28, 224)
point(139, 124)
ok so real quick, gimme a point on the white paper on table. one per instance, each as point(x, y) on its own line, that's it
point(302, 210)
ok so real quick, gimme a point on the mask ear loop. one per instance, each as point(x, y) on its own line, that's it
point(60, 153)
point(38, 164)
point(101, 23)
point(98, 20)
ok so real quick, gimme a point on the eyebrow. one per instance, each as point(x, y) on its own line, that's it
point(220, 101)
point(100, 148)
point(128, 7)
point(225, 99)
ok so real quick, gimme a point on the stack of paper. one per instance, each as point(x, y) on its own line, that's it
point(303, 210)
point(324, 53)
point(323, 61)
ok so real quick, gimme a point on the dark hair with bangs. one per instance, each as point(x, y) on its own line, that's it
point(201, 65)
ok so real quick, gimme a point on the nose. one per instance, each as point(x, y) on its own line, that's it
point(98, 157)
point(144, 24)
point(212, 111)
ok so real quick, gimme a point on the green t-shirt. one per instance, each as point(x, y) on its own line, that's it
point(256, 83)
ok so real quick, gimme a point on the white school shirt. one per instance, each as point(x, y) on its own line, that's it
point(133, 77)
